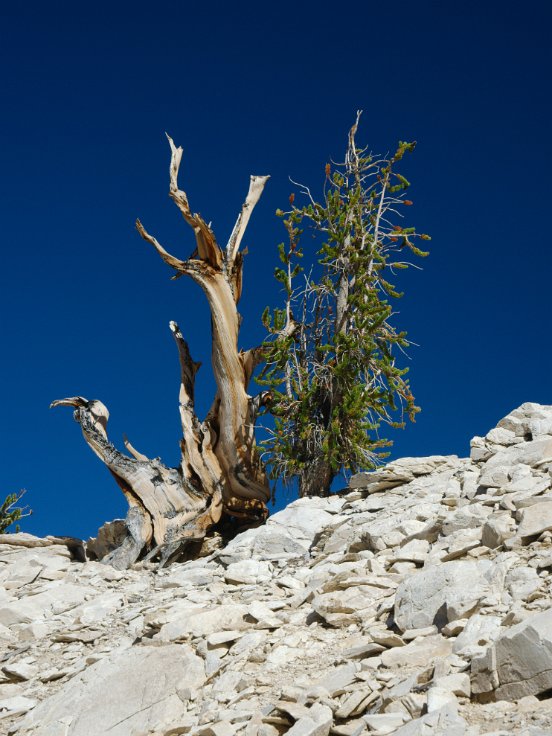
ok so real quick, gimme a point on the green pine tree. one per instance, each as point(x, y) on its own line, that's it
point(10, 513)
point(331, 359)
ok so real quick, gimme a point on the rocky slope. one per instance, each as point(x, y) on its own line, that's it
point(418, 602)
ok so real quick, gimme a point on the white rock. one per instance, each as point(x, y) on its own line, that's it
point(230, 682)
point(527, 453)
point(248, 572)
point(337, 679)
point(353, 703)
point(380, 480)
point(22, 539)
point(182, 575)
point(438, 723)
point(414, 551)
point(457, 683)
point(480, 631)
point(99, 608)
point(418, 652)
point(520, 661)
point(385, 723)
point(304, 519)
point(185, 621)
point(55, 598)
point(252, 640)
point(496, 476)
point(525, 487)
point(16, 706)
point(497, 530)
point(521, 582)
point(222, 728)
point(535, 519)
point(501, 436)
point(438, 697)
point(424, 465)
point(453, 628)
point(123, 695)
point(264, 615)
point(457, 544)
point(7, 636)
point(283, 654)
point(343, 607)
point(33, 632)
point(441, 593)
point(528, 419)
point(287, 534)
point(398, 690)
point(410, 527)
point(479, 450)
point(411, 634)
point(252, 613)
point(468, 517)
point(317, 723)
point(386, 638)
point(360, 647)
point(262, 544)
point(223, 637)
point(22, 670)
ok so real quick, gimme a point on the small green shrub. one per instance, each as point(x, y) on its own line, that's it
point(10, 513)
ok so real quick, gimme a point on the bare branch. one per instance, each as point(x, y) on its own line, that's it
point(207, 247)
point(176, 263)
point(133, 451)
point(256, 186)
point(188, 367)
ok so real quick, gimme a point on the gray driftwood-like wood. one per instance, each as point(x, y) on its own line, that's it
point(220, 470)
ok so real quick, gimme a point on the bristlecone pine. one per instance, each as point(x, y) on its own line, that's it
point(220, 470)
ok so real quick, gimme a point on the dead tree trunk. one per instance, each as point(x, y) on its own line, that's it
point(220, 470)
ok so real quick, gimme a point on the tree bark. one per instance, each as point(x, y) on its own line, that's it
point(316, 478)
point(220, 470)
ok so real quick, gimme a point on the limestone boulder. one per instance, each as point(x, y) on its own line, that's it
point(535, 519)
point(439, 722)
point(305, 519)
point(419, 652)
point(529, 420)
point(502, 464)
point(343, 607)
point(54, 598)
point(402, 471)
point(126, 694)
point(519, 663)
point(248, 572)
point(317, 722)
point(444, 592)
point(479, 632)
point(185, 620)
point(288, 534)
point(497, 530)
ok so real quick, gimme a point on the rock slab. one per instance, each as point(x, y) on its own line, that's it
point(124, 694)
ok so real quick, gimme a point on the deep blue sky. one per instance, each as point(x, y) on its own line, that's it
point(88, 91)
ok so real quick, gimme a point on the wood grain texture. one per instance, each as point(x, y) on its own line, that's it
point(220, 470)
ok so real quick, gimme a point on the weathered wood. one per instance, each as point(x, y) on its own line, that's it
point(220, 469)
point(164, 506)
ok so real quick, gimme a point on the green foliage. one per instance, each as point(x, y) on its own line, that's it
point(10, 513)
point(331, 356)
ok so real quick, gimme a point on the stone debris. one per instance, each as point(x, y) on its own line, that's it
point(417, 602)
point(519, 662)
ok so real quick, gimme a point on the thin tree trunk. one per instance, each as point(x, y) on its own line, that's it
point(316, 478)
